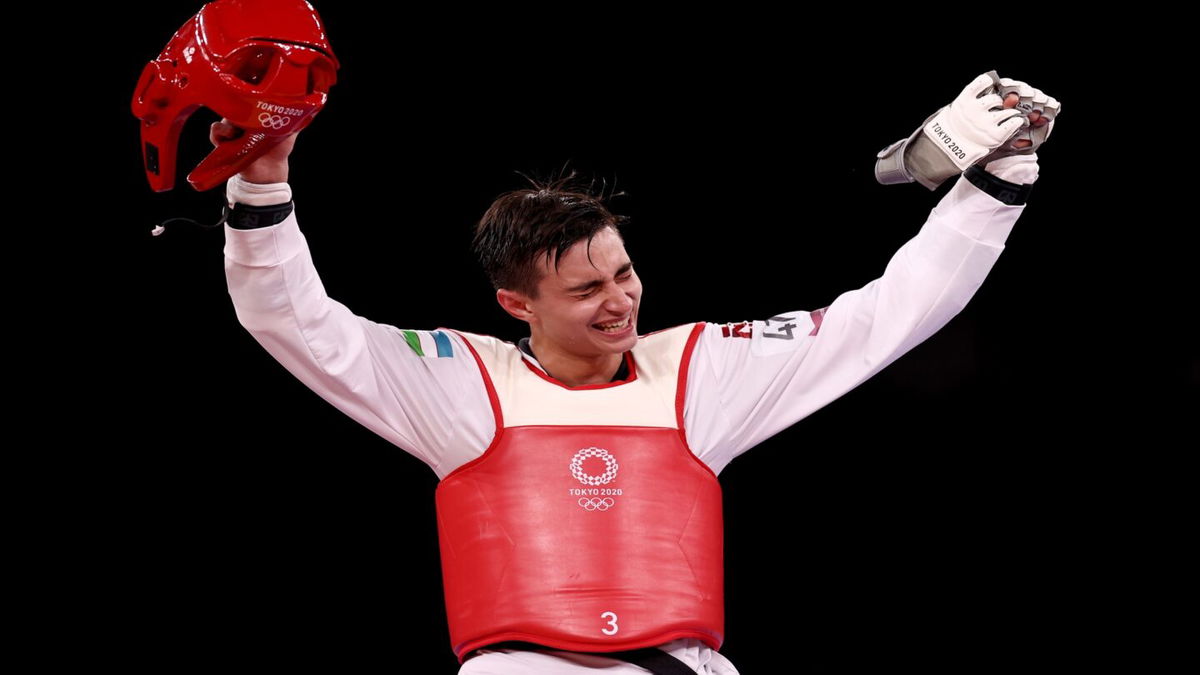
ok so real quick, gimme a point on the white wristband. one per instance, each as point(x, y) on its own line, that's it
point(1020, 169)
point(241, 191)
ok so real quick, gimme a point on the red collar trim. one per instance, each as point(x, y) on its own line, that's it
point(629, 363)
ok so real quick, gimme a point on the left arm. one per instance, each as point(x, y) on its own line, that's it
point(750, 381)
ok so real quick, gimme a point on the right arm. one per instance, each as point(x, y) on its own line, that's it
point(417, 389)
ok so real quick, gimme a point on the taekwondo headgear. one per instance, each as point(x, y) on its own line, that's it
point(265, 65)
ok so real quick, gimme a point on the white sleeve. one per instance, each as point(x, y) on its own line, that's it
point(749, 381)
point(421, 390)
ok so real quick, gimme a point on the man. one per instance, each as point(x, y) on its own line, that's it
point(578, 509)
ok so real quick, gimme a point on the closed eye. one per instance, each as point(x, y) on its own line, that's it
point(625, 276)
point(592, 292)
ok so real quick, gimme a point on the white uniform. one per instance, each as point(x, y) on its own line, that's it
point(422, 390)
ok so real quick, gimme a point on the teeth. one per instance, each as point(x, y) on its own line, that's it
point(614, 325)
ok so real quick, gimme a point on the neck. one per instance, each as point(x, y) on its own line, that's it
point(573, 370)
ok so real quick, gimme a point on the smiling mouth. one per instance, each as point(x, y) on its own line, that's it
point(613, 328)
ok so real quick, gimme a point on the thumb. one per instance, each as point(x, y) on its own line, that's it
point(223, 131)
point(1014, 124)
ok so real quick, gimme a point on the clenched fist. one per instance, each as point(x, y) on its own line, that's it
point(272, 167)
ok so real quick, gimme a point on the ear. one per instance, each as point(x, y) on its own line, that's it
point(516, 304)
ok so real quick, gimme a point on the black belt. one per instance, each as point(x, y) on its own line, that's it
point(655, 660)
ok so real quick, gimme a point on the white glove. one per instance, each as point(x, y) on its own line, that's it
point(974, 128)
point(1031, 100)
point(974, 123)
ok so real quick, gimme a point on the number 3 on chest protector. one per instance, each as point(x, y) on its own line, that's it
point(612, 623)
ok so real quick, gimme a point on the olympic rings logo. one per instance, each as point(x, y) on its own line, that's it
point(596, 504)
point(610, 467)
point(274, 121)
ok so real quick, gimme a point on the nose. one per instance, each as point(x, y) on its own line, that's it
point(618, 301)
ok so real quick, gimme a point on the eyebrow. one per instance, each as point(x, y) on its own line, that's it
point(596, 282)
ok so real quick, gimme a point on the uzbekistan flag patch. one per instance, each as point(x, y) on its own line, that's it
point(428, 343)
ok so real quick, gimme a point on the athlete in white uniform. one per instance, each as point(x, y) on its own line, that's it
point(423, 391)
point(747, 382)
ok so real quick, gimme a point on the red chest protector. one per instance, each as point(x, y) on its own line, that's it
point(584, 536)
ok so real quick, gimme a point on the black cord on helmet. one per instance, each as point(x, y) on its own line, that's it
point(242, 217)
point(162, 227)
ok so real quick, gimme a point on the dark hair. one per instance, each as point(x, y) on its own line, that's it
point(551, 217)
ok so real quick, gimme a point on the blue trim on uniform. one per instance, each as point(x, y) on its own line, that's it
point(444, 348)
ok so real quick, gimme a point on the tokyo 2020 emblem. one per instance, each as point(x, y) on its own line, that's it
point(593, 498)
point(610, 467)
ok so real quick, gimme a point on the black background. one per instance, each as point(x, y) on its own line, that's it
point(967, 506)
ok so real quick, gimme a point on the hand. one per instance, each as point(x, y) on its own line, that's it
point(955, 136)
point(974, 124)
point(272, 167)
point(1018, 168)
point(1040, 111)
point(993, 118)
point(1036, 121)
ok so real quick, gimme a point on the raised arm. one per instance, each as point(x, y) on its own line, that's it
point(416, 388)
point(751, 380)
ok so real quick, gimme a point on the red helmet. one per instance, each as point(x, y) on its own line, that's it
point(265, 65)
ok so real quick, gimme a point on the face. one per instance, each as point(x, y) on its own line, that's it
point(584, 293)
